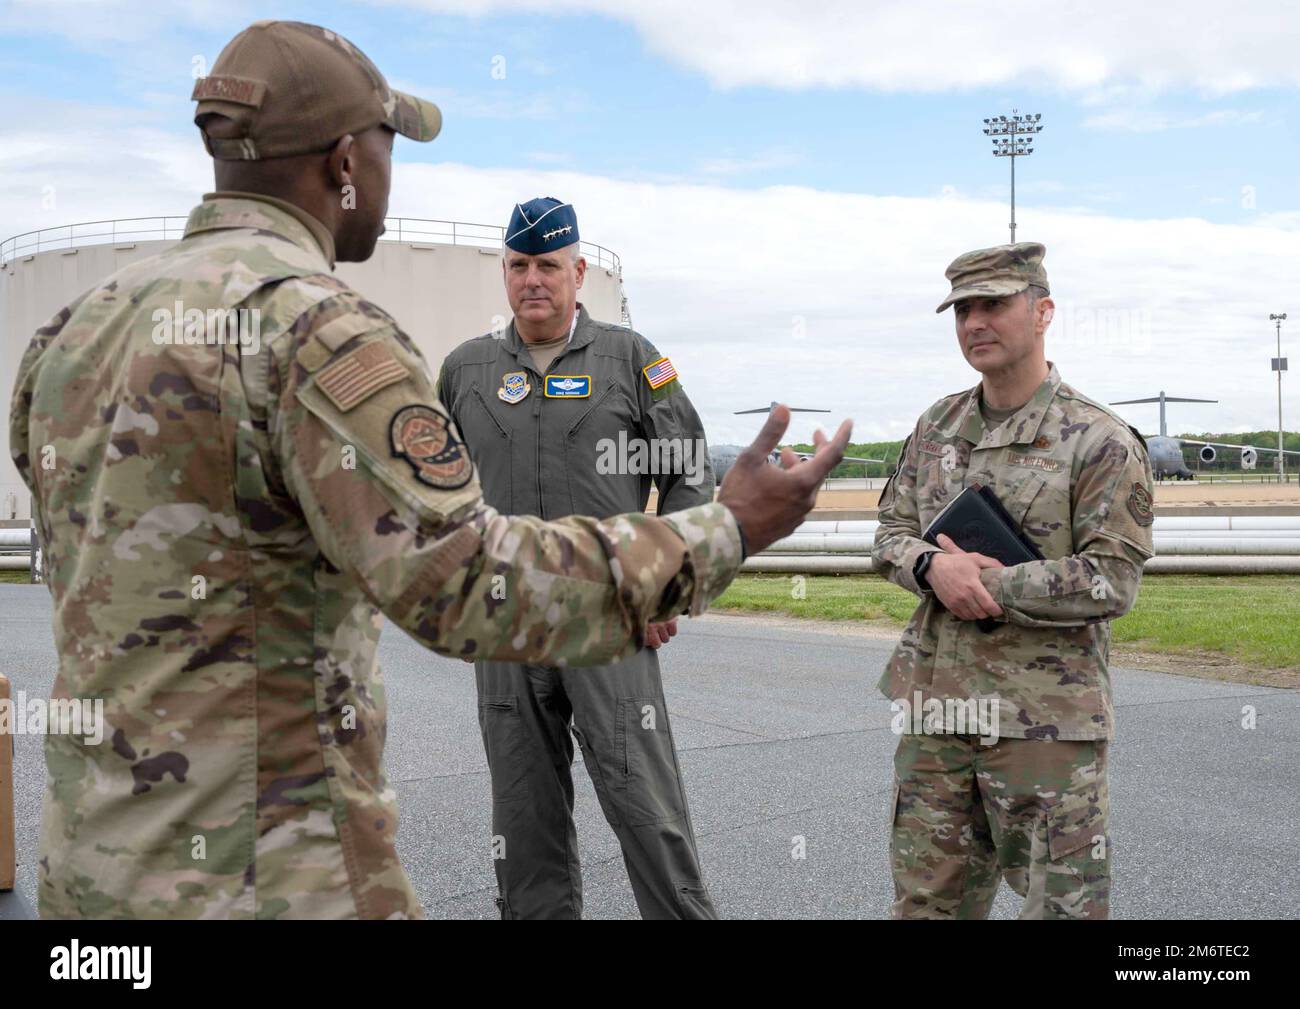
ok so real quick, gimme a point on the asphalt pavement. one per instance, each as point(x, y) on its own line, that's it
point(782, 737)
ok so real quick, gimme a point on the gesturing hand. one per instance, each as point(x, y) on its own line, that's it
point(770, 501)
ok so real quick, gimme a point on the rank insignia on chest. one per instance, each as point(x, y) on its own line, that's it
point(514, 387)
point(1042, 442)
point(568, 386)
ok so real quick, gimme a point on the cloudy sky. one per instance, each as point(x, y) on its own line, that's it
point(785, 182)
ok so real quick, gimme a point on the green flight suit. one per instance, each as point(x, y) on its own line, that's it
point(560, 444)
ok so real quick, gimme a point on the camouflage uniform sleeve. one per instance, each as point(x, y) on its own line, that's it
point(20, 402)
point(392, 499)
point(1111, 509)
point(898, 544)
point(667, 413)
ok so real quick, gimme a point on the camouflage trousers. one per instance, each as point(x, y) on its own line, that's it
point(1030, 811)
point(529, 716)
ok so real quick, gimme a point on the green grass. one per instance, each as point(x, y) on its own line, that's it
point(1254, 620)
point(22, 577)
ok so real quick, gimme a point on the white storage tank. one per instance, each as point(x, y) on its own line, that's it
point(441, 280)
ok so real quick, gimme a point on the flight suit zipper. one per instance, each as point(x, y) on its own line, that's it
point(537, 416)
point(537, 449)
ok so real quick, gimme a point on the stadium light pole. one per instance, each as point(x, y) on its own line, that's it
point(1013, 137)
point(1279, 366)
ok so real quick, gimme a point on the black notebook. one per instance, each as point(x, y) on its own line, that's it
point(978, 523)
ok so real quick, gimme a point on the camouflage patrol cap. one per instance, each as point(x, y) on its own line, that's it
point(294, 88)
point(995, 272)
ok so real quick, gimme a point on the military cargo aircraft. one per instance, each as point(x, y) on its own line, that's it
point(721, 457)
point(1166, 453)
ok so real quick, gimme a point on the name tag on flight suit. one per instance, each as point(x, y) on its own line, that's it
point(568, 386)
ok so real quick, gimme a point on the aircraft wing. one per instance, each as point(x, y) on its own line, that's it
point(847, 458)
point(1218, 444)
point(792, 409)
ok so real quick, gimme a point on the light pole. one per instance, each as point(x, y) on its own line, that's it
point(1012, 137)
point(1279, 366)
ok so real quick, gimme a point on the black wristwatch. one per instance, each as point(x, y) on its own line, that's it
point(919, 569)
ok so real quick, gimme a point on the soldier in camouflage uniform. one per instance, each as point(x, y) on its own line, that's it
point(228, 503)
point(1031, 804)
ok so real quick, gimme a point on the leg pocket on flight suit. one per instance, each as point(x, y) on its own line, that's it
point(502, 731)
point(651, 791)
point(693, 899)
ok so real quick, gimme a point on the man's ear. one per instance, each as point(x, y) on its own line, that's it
point(342, 161)
point(580, 267)
point(1046, 309)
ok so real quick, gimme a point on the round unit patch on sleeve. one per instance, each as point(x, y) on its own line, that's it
point(1139, 505)
point(423, 437)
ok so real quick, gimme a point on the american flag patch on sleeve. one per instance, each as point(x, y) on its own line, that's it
point(659, 373)
point(359, 374)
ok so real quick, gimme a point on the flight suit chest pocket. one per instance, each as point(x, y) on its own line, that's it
point(602, 407)
point(594, 454)
point(481, 421)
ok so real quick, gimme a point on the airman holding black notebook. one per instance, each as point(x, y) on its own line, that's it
point(1031, 803)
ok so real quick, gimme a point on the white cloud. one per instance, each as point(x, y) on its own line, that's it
point(507, 104)
point(96, 23)
point(1148, 120)
point(1102, 51)
point(723, 279)
point(727, 164)
point(726, 280)
point(941, 45)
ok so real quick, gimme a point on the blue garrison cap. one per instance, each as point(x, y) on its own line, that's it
point(541, 225)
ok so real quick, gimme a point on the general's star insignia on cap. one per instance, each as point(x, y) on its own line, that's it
point(541, 225)
point(514, 386)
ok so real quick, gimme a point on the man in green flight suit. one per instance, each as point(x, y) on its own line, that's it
point(566, 415)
